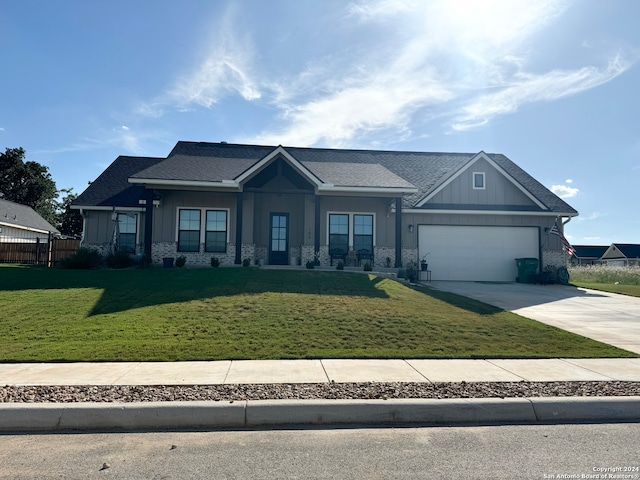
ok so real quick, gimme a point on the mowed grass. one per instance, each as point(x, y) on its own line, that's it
point(624, 280)
point(247, 313)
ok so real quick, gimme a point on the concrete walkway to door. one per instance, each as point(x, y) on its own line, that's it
point(606, 317)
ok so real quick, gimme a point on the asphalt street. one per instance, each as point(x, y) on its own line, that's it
point(489, 452)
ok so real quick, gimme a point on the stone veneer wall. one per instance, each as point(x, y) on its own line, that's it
point(161, 250)
point(554, 258)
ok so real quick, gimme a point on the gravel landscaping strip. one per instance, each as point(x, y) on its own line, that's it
point(306, 391)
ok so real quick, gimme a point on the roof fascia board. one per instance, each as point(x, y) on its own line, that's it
point(107, 208)
point(393, 191)
point(23, 227)
point(486, 212)
point(258, 166)
point(474, 159)
point(151, 182)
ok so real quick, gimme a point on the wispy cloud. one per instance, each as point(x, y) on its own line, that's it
point(449, 63)
point(448, 68)
point(226, 68)
point(530, 88)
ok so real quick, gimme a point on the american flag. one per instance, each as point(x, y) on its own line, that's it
point(567, 246)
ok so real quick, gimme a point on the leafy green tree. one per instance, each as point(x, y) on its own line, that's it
point(69, 221)
point(28, 183)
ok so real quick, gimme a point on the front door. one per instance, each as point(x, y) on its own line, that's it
point(279, 241)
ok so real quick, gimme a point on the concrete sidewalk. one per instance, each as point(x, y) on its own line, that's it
point(48, 417)
point(319, 371)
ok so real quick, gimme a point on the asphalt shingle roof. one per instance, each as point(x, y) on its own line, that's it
point(214, 162)
point(112, 187)
point(22, 216)
point(589, 251)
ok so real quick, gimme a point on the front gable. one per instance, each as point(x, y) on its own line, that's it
point(278, 170)
point(480, 184)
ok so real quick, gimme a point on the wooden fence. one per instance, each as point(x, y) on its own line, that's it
point(47, 253)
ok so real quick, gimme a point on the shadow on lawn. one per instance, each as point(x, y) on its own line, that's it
point(455, 300)
point(137, 288)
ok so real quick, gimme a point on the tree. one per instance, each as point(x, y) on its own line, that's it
point(69, 221)
point(28, 183)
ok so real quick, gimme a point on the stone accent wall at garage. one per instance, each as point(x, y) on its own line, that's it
point(555, 258)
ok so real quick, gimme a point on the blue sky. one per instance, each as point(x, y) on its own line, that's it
point(552, 84)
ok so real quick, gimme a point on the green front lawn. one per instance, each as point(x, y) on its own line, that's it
point(248, 313)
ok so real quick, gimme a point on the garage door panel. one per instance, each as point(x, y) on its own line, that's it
point(476, 253)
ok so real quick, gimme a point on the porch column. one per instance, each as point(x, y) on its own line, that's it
point(239, 203)
point(316, 238)
point(148, 223)
point(398, 232)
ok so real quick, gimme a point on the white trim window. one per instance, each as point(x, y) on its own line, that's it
point(339, 233)
point(479, 181)
point(189, 230)
point(215, 236)
point(206, 226)
point(363, 233)
point(353, 230)
point(127, 232)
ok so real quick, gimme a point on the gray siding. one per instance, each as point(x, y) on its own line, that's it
point(165, 218)
point(498, 189)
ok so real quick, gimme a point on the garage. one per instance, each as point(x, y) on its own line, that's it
point(470, 253)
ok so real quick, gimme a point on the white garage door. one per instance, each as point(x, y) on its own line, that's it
point(476, 253)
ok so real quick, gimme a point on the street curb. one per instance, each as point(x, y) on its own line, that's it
point(48, 417)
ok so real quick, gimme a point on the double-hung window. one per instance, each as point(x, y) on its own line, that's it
point(339, 233)
point(126, 241)
point(189, 230)
point(363, 233)
point(216, 231)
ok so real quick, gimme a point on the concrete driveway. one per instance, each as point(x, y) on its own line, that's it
point(602, 316)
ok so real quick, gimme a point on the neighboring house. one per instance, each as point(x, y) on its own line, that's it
point(472, 214)
point(622, 254)
point(22, 224)
point(588, 254)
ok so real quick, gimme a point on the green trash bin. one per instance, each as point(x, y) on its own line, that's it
point(527, 269)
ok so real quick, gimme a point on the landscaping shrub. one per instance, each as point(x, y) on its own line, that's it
point(246, 262)
point(119, 260)
point(411, 271)
point(181, 261)
point(215, 262)
point(311, 264)
point(83, 258)
point(340, 265)
point(368, 267)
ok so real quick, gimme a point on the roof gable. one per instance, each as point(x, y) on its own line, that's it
point(622, 250)
point(500, 189)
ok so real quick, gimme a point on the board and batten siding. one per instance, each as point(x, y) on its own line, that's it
point(498, 189)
